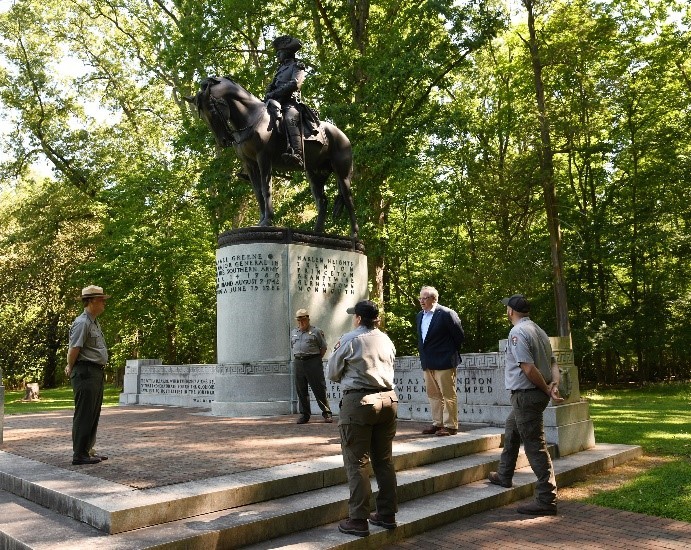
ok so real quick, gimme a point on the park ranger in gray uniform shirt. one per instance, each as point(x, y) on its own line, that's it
point(86, 359)
point(309, 346)
point(532, 377)
point(363, 362)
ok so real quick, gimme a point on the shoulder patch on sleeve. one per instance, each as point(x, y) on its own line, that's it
point(514, 340)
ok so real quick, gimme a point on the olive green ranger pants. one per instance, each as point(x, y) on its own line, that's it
point(87, 385)
point(367, 422)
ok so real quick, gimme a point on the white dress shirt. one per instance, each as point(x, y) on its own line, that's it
point(426, 320)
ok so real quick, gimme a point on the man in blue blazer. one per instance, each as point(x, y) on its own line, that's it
point(439, 336)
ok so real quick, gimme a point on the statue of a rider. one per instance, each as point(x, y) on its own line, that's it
point(285, 88)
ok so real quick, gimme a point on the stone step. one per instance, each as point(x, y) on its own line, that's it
point(429, 493)
point(437, 509)
point(115, 508)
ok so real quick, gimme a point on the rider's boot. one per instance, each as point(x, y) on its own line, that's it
point(294, 153)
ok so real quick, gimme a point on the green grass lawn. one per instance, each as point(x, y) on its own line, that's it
point(656, 417)
point(52, 400)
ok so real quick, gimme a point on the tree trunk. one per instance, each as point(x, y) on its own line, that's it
point(53, 345)
point(547, 180)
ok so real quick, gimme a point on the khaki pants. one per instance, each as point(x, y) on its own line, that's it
point(368, 425)
point(441, 391)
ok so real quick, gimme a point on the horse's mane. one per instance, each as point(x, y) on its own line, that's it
point(232, 79)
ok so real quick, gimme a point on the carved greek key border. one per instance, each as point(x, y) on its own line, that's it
point(253, 368)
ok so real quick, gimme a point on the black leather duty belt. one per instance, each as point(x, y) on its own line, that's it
point(346, 392)
point(523, 391)
point(306, 357)
point(90, 364)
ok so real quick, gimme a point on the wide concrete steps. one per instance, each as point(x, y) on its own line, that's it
point(431, 493)
point(437, 509)
point(115, 508)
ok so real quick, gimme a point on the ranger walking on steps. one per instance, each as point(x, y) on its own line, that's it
point(363, 362)
point(532, 376)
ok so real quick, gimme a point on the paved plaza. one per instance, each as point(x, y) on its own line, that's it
point(158, 446)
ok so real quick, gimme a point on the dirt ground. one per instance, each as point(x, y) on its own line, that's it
point(610, 479)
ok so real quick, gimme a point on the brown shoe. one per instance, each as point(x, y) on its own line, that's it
point(303, 419)
point(328, 419)
point(357, 527)
point(536, 508)
point(494, 478)
point(387, 522)
point(446, 431)
point(431, 430)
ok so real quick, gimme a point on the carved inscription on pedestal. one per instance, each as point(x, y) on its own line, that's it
point(324, 275)
point(257, 272)
point(196, 391)
point(471, 383)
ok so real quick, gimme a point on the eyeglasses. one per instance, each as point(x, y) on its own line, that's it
point(303, 317)
point(423, 298)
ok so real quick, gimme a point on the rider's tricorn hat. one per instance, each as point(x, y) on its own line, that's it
point(287, 43)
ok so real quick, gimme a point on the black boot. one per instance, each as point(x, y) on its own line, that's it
point(293, 155)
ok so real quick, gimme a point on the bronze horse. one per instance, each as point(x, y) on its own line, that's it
point(238, 118)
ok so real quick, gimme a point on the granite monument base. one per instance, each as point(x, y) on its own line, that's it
point(253, 389)
point(149, 382)
point(265, 389)
point(2, 410)
point(264, 275)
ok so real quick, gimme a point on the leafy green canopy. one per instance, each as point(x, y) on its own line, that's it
point(438, 98)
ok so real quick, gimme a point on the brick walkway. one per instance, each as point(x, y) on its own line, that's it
point(578, 525)
point(155, 446)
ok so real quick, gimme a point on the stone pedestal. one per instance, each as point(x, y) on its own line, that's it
point(264, 275)
point(2, 410)
point(149, 382)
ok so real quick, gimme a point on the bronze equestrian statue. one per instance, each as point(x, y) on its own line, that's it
point(285, 88)
point(257, 132)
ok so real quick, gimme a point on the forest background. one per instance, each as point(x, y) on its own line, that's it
point(538, 147)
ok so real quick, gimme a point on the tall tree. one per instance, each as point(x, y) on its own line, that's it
point(547, 177)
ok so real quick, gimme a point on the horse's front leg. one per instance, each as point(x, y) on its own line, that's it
point(264, 163)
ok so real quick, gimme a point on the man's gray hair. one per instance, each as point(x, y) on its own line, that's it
point(431, 291)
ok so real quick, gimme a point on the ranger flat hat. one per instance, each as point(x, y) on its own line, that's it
point(365, 309)
point(93, 291)
point(517, 302)
point(287, 43)
point(301, 313)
